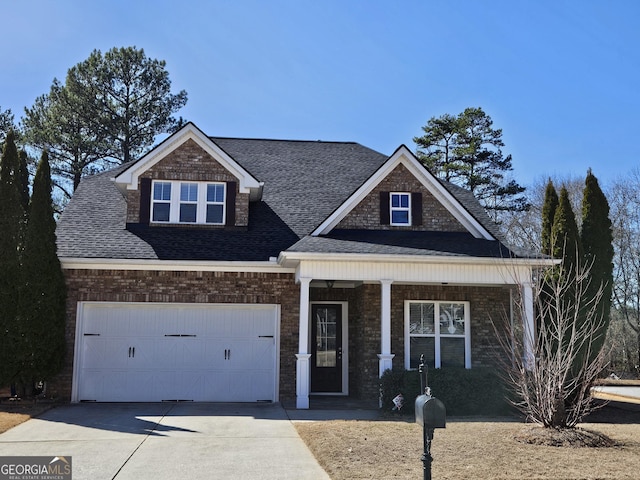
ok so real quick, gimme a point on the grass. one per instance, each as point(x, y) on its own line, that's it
point(469, 448)
point(479, 449)
point(15, 413)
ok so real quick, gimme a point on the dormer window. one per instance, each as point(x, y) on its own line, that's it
point(400, 206)
point(161, 201)
point(188, 202)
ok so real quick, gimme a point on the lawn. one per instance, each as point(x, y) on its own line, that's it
point(480, 449)
point(14, 413)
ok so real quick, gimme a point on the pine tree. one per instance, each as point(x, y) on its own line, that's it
point(43, 294)
point(597, 243)
point(548, 212)
point(11, 225)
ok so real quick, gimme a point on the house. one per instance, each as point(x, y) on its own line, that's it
point(249, 270)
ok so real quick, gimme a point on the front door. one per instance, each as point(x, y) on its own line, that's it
point(326, 348)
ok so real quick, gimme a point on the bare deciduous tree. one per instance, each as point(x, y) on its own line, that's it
point(552, 382)
point(625, 216)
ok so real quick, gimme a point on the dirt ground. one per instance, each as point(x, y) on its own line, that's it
point(472, 449)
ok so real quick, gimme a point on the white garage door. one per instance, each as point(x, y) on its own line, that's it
point(142, 352)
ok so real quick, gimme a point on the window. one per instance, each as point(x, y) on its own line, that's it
point(439, 331)
point(215, 203)
point(188, 202)
point(161, 201)
point(198, 202)
point(400, 206)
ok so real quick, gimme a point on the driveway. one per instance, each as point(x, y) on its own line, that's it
point(168, 441)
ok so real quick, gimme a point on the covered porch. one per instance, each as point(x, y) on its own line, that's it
point(355, 315)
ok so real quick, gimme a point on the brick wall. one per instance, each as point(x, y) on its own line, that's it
point(189, 162)
point(487, 304)
point(185, 287)
point(366, 215)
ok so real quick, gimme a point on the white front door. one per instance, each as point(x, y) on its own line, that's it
point(145, 352)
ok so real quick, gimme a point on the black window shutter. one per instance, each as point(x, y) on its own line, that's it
point(416, 208)
point(231, 204)
point(385, 216)
point(145, 200)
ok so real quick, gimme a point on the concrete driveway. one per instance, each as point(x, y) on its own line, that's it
point(168, 441)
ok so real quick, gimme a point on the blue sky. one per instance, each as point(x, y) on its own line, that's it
point(560, 78)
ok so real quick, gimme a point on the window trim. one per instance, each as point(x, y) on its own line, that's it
point(406, 209)
point(437, 335)
point(176, 202)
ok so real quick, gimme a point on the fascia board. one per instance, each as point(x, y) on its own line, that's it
point(189, 132)
point(70, 263)
point(403, 155)
point(290, 259)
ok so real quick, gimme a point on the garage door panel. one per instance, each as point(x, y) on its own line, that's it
point(154, 352)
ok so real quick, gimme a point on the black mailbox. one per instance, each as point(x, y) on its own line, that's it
point(430, 412)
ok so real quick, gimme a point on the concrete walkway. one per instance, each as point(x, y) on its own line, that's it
point(168, 442)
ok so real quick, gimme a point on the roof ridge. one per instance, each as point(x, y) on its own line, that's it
point(258, 139)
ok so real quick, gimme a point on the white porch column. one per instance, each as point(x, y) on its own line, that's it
point(302, 357)
point(385, 357)
point(529, 326)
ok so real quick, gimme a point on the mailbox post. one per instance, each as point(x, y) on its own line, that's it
point(431, 414)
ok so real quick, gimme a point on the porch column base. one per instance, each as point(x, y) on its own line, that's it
point(302, 380)
point(385, 362)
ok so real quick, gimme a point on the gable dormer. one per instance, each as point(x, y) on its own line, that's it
point(188, 180)
point(402, 195)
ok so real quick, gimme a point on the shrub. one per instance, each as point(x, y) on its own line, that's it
point(478, 391)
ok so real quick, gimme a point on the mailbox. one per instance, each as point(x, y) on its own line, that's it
point(430, 412)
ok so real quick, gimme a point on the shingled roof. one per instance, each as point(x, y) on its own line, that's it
point(304, 182)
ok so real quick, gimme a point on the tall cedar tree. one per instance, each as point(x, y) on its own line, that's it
point(565, 238)
point(565, 244)
point(43, 290)
point(11, 225)
point(466, 150)
point(549, 207)
point(597, 244)
point(24, 180)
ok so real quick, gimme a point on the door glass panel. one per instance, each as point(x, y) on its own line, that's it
point(326, 341)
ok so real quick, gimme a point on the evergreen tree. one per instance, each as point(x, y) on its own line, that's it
point(597, 244)
point(466, 150)
point(24, 181)
point(11, 224)
point(43, 291)
point(565, 238)
point(549, 207)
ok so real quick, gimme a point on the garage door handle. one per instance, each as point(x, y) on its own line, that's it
point(265, 336)
point(129, 352)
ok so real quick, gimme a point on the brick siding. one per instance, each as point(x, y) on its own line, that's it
point(366, 215)
point(486, 304)
point(189, 162)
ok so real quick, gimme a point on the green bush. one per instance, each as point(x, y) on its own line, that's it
point(477, 391)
